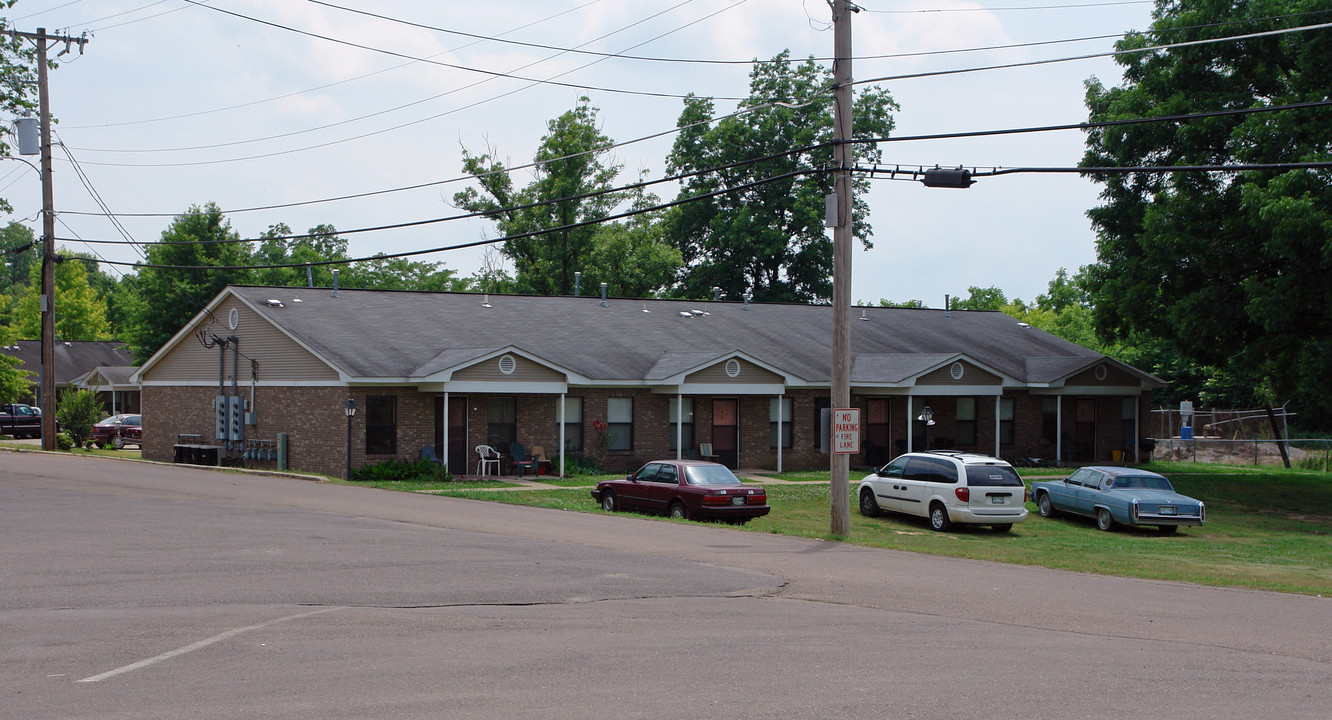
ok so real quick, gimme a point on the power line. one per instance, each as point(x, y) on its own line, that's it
point(1113, 53)
point(392, 53)
point(463, 178)
point(476, 243)
point(1076, 6)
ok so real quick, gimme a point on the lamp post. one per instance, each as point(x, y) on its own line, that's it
point(349, 407)
point(926, 416)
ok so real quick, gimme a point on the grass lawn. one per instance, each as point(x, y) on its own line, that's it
point(1267, 529)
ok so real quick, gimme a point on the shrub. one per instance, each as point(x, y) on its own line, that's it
point(399, 470)
point(77, 412)
point(64, 441)
point(578, 465)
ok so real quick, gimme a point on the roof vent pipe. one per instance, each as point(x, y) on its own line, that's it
point(948, 306)
point(309, 276)
point(335, 283)
point(578, 280)
point(716, 294)
point(747, 296)
point(603, 294)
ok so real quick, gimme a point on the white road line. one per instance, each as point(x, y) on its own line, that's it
point(196, 646)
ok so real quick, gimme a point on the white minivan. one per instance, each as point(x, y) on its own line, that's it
point(947, 487)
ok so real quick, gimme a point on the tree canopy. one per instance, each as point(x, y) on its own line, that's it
point(1232, 269)
point(767, 239)
point(574, 183)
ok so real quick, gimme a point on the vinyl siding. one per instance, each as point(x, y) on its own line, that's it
point(524, 371)
point(750, 374)
point(280, 358)
point(971, 375)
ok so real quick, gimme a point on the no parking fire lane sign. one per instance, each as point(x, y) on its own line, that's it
point(846, 431)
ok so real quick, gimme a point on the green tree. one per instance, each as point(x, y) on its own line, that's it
point(767, 240)
point(15, 382)
point(278, 247)
point(1230, 268)
point(81, 313)
point(575, 177)
point(193, 262)
point(20, 251)
point(18, 83)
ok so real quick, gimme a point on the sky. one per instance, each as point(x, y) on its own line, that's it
point(174, 104)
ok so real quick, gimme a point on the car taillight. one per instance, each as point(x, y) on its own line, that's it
point(1135, 509)
point(963, 494)
point(716, 499)
point(757, 499)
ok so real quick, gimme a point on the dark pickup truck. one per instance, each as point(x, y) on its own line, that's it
point(20, 420)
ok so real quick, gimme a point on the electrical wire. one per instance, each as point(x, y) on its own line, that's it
point(421, 101)
point(320, 87)
point(1113, 53)
point(97, 197)
point(392, 53)
point(864, 141)
point(1076, 6)
point(476, 243)
point(463, 178)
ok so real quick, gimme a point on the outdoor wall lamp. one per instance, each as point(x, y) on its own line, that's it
point(349, 407)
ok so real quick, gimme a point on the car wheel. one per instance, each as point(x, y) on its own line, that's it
point(939, 521)
point(869, 507)
point(1002, 527)
point(677, 511)
point(1167, 529)
point(1044, 505)
point(119, 442)
point(1103, 519)
point(608, 501)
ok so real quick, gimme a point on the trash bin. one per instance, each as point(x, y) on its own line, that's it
point(1117, 455)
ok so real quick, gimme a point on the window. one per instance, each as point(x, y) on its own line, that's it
point(687, 429)
point(573, 424)
point(381, 425)
point(1006, 421)
point(501, 423)
point(620, 423)
point(966, 421)
point(779, 420)
point(669, 475)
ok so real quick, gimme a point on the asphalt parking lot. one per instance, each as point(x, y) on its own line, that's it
point(137, 590)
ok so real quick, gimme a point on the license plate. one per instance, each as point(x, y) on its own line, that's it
point(738, 500)
point(1167, 510)
point(997, 500)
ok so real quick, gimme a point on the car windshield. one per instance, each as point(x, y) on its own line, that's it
point(1144, 482)
point(709, 475)
point(992, 475)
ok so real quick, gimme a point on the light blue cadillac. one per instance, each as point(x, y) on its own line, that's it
point(1118, 495)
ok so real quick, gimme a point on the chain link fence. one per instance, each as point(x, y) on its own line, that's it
point(1305, 453)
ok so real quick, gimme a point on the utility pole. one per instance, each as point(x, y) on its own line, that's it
point(841, 347)
point(48, 403)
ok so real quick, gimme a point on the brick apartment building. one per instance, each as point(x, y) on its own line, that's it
point(620, 381)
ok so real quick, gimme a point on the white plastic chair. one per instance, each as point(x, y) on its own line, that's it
point(488, 455)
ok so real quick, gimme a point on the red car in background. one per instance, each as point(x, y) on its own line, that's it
point(685, 489)
point(118, 431)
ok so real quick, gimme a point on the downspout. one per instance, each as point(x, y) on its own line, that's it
point(911, 424)
point(563, 447)
point(446, 435)
point(781, 408)
point(997, 422)
point(1059, 429)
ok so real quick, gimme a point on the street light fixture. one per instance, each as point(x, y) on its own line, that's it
point(349, 407)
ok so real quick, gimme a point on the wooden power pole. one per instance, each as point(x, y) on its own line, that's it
point(48, 399)
point(838, 492)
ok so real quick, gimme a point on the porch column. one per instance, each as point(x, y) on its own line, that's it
point(563, 451)
point(1059, 429)
point(679, 425)
point(1137, 432)
point(997, 406)
point(446, 440)
point(911, 423)
point(781, 412)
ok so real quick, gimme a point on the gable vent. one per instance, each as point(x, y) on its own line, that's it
point(732, 368)
point(507, 364)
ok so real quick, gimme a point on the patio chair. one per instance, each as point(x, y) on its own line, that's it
point(539, 455)
point(428, 453)
point(705, 452)
point(522, 462)
point(488, 456)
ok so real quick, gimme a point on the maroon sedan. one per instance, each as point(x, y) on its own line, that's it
point(118, 430)
point(691, 489)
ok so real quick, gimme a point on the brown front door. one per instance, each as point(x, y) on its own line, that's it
point(726, 431)
point(458, 451)
point(1084, 431)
